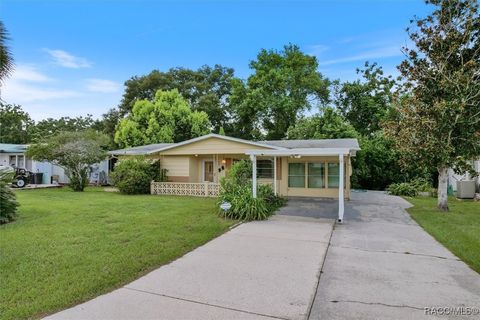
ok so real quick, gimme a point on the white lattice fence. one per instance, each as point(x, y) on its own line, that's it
point(207, 189)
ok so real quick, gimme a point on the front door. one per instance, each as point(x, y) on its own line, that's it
point(208, 171)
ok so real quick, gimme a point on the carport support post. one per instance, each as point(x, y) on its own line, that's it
point(275, 175)
point(341, 198)
point(254, 174)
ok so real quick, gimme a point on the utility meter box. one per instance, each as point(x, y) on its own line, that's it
point(466, 189)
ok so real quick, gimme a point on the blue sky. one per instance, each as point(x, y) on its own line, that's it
point(72, 57)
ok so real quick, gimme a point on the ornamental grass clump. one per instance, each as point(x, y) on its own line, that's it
point(236, 189)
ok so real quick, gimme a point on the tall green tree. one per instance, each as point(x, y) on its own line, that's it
point(107, 125)
point(328, 124)
point(50, 127)
point(206, 89)
point(366, 102)
point(438, 122)
point(168, 118)
point(376, 165)
point(6, 59)
point(246, 117)
point(15, 124)
point(283, 85)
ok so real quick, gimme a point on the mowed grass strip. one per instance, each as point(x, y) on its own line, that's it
point(67, 247)
point(458, 230)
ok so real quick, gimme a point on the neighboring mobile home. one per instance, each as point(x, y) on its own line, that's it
point(300, 168)
point(13, 155)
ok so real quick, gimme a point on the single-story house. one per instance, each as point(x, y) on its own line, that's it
point(13, 155)
point(295, 168)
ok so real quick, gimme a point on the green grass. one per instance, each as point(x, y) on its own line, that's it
point(458, 229)
point(67, 247)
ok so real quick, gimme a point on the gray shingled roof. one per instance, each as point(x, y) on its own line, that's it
point(141, 150)
point(319, 143)
point(289, 144)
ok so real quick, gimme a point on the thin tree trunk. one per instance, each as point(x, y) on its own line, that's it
point(442, 200)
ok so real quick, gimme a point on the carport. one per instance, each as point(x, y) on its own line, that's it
point(297, 153)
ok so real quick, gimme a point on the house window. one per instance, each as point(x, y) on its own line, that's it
point(265, 168)
point(12, 161)
point(21, 161)
point(333, 175)
point(316, 175)
point(296, 175)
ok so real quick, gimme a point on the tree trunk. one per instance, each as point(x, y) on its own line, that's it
point(442, 200)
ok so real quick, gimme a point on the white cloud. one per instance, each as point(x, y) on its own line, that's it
point(27, 85)
point(317, 49)
point(382, 52)
point(23, 72)
point(21, 92)
point(102, 85)
point(68, 60)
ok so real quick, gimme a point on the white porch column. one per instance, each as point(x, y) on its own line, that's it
point(275, 175)
point(341, 197)
point(254, 174)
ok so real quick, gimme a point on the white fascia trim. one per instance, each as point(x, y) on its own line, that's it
point(214, 135)
point(301, 152)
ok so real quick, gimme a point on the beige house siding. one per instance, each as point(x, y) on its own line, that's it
point(194, 170)
point(178, 168)
point(212, 146)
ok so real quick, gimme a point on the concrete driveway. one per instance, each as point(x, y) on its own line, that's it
point(381, 265)
point(259, 270)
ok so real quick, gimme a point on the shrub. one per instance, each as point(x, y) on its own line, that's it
point(402, 189)
point(133, 175)
point(236, 188)
point(422, 185)
point(410, 189)
point(8, 202)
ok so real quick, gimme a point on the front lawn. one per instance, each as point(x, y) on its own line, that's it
point(458, 230)
point(67, 247)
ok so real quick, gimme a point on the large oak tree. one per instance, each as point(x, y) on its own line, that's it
point(366, 102)
point(438, 120)
point(283, 85)
point(206, 89)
